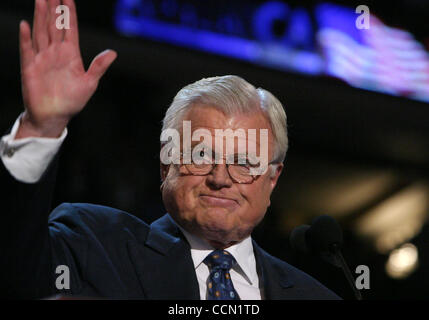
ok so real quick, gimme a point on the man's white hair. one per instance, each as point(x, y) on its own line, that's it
point(232, 95)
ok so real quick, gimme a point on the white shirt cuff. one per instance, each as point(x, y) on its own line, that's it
point(27, 159)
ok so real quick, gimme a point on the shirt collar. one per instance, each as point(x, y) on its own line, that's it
point(242, 252)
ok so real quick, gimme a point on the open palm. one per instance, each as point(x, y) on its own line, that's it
point(55, 85)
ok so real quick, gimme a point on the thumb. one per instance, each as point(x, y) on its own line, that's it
point(100, 64)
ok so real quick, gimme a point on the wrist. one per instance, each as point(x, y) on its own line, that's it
point(52, 128)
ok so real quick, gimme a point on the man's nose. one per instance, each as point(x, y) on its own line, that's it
point(219, 177)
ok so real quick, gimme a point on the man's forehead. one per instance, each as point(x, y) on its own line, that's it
point(212, 127)
point(211, 118)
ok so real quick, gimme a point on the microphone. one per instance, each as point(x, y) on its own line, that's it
point(324, 238)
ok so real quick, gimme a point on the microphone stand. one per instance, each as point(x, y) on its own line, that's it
point(336, 251)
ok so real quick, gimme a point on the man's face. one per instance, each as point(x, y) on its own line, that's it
point(214, 207)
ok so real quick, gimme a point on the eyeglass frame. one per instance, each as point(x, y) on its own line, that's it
point(254, 177)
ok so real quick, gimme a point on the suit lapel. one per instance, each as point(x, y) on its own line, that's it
point(164, 263)
point(164, 266)
point(272, 278)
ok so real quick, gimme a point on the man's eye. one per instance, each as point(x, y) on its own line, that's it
point(250, 165)
point(203, 155)
point(246, 164)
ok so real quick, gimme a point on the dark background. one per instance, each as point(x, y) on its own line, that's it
point(342, 139)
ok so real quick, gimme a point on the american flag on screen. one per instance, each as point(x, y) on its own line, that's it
point(380, 58)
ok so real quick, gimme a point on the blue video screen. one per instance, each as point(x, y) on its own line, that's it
point(322, 40)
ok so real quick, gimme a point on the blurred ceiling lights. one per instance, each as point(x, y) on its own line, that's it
point(402, 261)
point(397, 219)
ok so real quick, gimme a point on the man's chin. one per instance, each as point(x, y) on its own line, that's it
point(218, 214)
point(221, 245)
point(219, 233)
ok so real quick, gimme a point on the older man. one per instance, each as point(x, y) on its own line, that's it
point(201, 249)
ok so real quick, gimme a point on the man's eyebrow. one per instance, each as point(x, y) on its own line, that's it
point(194, 143)
point(238, 154)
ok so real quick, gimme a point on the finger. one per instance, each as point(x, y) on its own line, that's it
point(25, 44)
point(55, 34)
point(40, 29)
point(72, 34)
point(100, 64)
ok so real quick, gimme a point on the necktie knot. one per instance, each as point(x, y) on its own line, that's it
point(220, 259)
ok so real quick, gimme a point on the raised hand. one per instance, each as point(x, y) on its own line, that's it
point(55, 85)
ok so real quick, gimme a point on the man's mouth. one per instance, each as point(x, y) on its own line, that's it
point(219, 201)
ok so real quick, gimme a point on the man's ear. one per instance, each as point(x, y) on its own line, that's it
point(164, 168)
point(274, 178)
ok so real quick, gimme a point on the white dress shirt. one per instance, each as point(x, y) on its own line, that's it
point(27, 159)
point(243, 275)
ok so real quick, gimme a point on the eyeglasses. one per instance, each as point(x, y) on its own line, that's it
point(238, 171)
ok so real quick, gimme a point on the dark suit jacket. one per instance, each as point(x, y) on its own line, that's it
point(110, 253)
